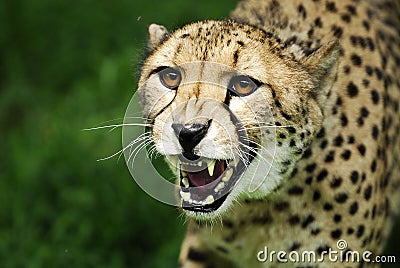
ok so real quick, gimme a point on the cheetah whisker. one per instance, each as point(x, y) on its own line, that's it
point(138, 139)
point(262, 147)
point(118, 125)
point(267, 126)
point(138, 148)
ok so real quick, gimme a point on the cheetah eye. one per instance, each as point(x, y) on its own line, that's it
point(243, 85)
point(170, 78)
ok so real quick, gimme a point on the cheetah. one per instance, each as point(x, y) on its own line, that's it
point(282, 126)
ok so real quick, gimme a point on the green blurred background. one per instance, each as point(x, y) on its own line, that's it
point(66, 66)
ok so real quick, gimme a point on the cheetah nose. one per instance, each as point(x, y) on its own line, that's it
point(189, 136)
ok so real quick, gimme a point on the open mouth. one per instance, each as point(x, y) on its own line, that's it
point(206, 183)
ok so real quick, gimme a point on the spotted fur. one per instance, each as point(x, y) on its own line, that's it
point(331, 71)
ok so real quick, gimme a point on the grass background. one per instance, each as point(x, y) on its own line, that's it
point(66, 66)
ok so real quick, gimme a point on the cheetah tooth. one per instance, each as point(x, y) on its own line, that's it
point(234, 162)
point(211, 166)
point(185, 196)
point(227, 175)
point(219, 186)
point(185, 182)
point(209, 200)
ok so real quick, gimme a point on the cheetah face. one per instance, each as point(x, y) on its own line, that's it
point(230, 110)
point(208, 129)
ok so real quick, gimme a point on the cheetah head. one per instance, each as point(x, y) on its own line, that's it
point(231, 108)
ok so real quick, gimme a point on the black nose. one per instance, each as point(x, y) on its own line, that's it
point(190, 135)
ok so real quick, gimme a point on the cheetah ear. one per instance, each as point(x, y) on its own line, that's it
point(323, 65)
point(157, 34)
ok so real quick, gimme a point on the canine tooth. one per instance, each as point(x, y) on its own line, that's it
point(185, 196)
point(211, 166)
point(227, 175)
point(209, 200)
point(185, 181)
point(219, 186)
point(232, 163)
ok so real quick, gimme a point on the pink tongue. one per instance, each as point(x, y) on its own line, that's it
point(202, 178)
